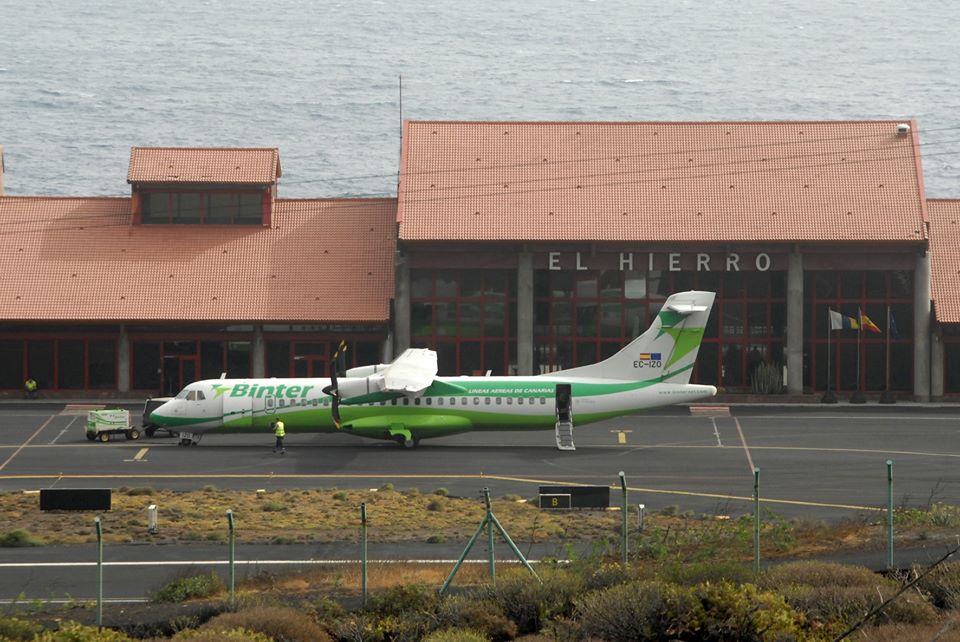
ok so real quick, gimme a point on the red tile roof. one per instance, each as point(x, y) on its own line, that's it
point(247, 166)
point(660, 181)
point(79, 259)
point(945, 259)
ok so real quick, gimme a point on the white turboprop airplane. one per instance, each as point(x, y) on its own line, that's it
point(406, 401)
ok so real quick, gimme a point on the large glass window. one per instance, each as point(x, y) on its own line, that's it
point(467, 316)
point(11, 356)
point(102, 364)
point(40, 362)
point(847, 359)
point(146, 365)
point(583, 317)
point(202, 207)
point(70, 363)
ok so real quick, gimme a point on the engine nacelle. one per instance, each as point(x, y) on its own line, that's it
point(366, 371)
point(355, 387)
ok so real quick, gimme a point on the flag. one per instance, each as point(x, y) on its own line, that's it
point(842, 322)
point(867, 324)
point(892, 328)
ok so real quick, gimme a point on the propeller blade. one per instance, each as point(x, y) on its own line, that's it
point(339, 364)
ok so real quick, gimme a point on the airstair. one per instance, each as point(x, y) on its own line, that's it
point(564, 431)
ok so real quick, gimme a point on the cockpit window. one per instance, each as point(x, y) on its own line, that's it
point(182, 394)
point(192, 395)
point(200, 396)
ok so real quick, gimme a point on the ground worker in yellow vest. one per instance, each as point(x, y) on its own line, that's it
point(279, 432)
point(30, 389)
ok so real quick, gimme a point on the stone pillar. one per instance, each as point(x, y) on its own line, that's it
point(258, 353)
point(123, 361)
point(525, 314)
point(921, 327)
point(795, 323)
point(401, 306)
point(937, 364)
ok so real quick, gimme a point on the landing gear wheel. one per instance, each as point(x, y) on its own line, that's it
point(186, 442)
point(409, 444)
point(104, 437)
point(149, 432)
point(133, 434)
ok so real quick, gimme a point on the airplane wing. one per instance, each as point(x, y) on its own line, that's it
point(413, 371)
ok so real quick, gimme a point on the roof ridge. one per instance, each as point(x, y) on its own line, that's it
point(660, 122)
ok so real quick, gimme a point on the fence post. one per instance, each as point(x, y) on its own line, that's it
point(756, 519)
point(490, 556)
point(99, 572)
point(233, 550)
point(624, 541)
point(889, 514)
point(363, 554)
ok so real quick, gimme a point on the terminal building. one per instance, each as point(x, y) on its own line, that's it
point(511, 248)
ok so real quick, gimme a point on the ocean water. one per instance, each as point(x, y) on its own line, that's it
point(82, 82)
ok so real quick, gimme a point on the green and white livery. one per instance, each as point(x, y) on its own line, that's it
point(406, 401)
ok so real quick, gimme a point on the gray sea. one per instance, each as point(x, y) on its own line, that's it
point(81, 81)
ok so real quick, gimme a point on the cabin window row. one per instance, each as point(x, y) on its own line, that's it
point(440, 401)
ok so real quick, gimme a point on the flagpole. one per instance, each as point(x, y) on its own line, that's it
point(857, 396)
point(888, 396)
point(828, 396)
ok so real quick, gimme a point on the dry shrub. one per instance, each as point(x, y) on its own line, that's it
point(456, 635)
point(482, 615)
point(277, 622)
point(818, 574)
point(948, 631)
point(75, 632)
point(632, 611)
point(528, 602)
point(834, 593)
point(943, 585)
point(233, 635)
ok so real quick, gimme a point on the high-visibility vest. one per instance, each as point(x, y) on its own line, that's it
point(278, 431)
point(31, 385)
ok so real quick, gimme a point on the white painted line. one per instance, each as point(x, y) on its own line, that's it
point(139, 456)
point(743, 441)
point(54, 440)
point(251, 562)
point(24, 444)
point(716, 431)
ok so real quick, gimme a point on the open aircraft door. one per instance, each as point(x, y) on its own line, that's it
point(238, 411)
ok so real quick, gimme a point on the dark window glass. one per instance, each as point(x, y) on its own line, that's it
point(367, 353)
point(901, 284)
point(470, 320)
point(471, 283)
point(146, 365)
point(249, 207)
point(40, 363)
point(444, 319)
point(732, 319)
point(493, 358)
point(587, 353)
point(733, 285)
point(610, 322)
point(421, 284)
point(155, 207)
point(219, 208)
point(102, 364)
point(70, 363)
point(238, 359)
point(278, 358)
point(470, 363)
point(851, 285)
point(421, 319)
point(611, 284)
point(826, 284)
point(447, 359)
point(495, 283)
point(11, 364)
point(188, 207)
point(876, 285)
point(493, 319)
point(732, 365)
point(707, 364)
point(446, 283)
point(211, 359)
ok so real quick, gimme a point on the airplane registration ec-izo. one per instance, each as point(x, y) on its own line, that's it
point(406, 401)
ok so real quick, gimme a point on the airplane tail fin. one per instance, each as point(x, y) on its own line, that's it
point(667, 350)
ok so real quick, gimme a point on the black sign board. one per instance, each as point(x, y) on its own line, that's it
point(580, 496)
point(75, 499)
point(555, 502)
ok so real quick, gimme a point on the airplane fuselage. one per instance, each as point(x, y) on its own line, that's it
point(450, 405)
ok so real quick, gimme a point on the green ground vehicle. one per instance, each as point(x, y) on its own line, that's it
point(101, 424)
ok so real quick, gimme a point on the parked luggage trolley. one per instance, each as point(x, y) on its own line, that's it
point(103, 423)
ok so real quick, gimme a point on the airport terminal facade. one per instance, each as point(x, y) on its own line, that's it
point(511, 248)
